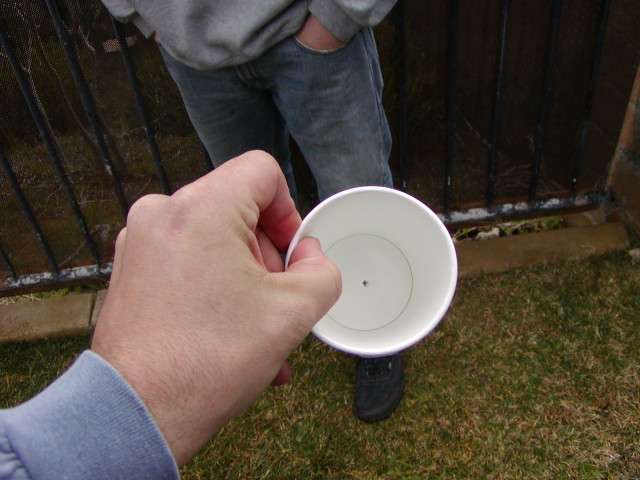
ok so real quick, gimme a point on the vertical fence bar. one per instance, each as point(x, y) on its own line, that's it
point(141, 105)
point(28, 212)
point(497, 103)
point(47, 140)
point(603, 19)
point(547, 93)
point(87, 100)
point(401, 95)
point(4, 258)
point(452, 52)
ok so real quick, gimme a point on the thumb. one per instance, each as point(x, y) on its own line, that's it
point(314, 277)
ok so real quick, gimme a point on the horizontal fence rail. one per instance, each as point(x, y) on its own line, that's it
point(61, 23)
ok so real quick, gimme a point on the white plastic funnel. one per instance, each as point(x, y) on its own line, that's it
point(398, 266)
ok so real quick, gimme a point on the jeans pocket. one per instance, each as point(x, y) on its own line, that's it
point(315, 51)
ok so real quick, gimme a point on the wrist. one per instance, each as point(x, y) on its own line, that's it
point(314, 35)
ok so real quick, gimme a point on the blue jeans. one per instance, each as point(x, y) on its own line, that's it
point(329, 101)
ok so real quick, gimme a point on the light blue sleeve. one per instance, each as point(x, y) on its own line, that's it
point(88, 424)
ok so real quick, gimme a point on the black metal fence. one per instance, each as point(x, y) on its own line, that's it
point(82, 136)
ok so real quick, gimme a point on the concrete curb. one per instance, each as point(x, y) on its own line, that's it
point(45, 318)
point(506, 253)
point(78, 313)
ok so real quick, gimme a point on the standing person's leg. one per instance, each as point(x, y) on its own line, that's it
point(332, 103)
point(230, 115)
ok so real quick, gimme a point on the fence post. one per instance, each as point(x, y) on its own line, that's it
point(141, 105)
point(547, 94)
point(588, 102)
point(87, 101)
point(497, 103)
point(401, 94)
point(28, 212)
point(452, 52)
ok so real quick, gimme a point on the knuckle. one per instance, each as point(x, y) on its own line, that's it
point(143, 208)
point(157, 211)
point(120, 239)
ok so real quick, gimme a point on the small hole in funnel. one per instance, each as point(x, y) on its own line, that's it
point(365, 283)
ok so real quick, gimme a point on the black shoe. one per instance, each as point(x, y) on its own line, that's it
point(378, 387)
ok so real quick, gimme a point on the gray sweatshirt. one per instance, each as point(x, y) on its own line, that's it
point(208, 34)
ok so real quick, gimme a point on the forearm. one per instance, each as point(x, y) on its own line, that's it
point(89, 423)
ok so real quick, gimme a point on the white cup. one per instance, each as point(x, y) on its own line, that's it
point(398, 267)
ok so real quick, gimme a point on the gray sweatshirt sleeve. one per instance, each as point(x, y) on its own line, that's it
point(121, 9)
point(207, 34)
point(344, 18)
point(124, 11)
point(88, 424)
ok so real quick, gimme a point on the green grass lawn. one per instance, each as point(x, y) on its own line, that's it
point(533, 374)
